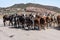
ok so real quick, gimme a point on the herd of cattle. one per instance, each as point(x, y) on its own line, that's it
point(31, 21)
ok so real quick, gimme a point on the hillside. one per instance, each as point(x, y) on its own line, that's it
point(37, 7)
point(52, 8)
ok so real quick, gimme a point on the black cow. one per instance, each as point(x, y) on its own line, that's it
point(28, 22)
point(7, 18)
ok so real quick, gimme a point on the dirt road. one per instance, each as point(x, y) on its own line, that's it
point(7, 33)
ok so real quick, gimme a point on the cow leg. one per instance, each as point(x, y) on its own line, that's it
point(47, 25)
point(9, 23)
point(12, 23)
point(15, 24)
point(4, 23)
point(50, 25)
point(58, 24)
point(43, 26)
point(28, 27)
point(39, 27)
point(33, 25)
point(18, 24)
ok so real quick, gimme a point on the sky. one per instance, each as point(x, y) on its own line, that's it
point(7, 3)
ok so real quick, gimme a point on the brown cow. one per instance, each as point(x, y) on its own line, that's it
point(49, 21)
point(40, 22)
point(58, 20)
point(43, 22)
point(37, 22)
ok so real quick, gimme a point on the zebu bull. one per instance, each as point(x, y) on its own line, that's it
point(7, 18)
point(43, 22)
point(58, 20)
point(46, 21)
point(20, 20)
point(28, 22)
point(49, 21)
point(37, 22)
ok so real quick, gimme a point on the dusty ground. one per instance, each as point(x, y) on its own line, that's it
point(7, 33)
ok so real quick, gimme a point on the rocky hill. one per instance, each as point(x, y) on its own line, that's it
point(52, 8)
point(20, 7)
